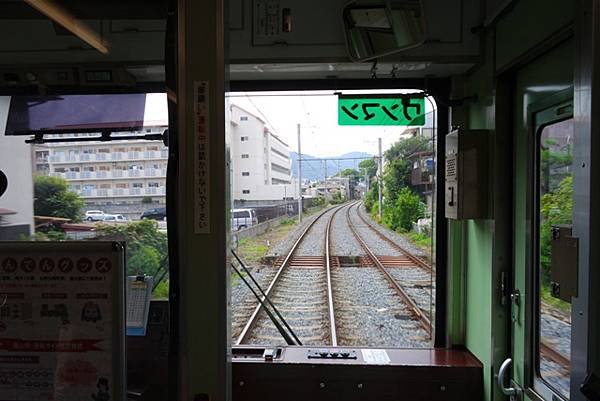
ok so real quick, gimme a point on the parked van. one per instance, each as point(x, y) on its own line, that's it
point(243, 218)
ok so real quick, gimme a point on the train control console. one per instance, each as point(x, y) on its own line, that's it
point(350, 373)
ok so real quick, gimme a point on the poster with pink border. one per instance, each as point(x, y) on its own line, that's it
point(61, 321)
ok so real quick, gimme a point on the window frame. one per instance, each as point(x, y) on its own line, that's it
point(540, 115)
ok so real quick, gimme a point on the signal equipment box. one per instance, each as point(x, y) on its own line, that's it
point(468, 180)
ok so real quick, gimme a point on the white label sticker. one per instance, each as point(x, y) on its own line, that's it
point(201, 158)
point(375, 356)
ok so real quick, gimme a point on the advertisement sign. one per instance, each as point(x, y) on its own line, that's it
point(61, 321)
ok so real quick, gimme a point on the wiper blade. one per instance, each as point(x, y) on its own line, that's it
point(281, 330)
point(285, 323)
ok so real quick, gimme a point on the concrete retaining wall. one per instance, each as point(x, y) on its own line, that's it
point(258, 229)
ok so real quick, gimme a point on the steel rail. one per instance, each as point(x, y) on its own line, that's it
point(413, 307)
point(418, 261)
point(332, 326)
point(554, 355)
point(252, 320)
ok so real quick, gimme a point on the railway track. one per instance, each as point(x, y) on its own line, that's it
point(301, 289)
point(321, 299)
point(378, 262)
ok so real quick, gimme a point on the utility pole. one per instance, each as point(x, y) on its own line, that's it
point(299, 178)
point(325, 182)
point(379, 179)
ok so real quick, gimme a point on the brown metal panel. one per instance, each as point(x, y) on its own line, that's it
point(565, 262)
point(428, 374)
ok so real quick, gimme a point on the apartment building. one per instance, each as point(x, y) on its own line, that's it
point(108, 173)
point(261, 168)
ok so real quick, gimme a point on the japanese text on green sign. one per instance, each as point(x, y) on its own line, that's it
point(381, 110)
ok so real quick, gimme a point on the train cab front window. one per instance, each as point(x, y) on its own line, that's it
point(343, 190)
point(555, 219)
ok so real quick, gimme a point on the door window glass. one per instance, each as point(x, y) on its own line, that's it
point(555, 211)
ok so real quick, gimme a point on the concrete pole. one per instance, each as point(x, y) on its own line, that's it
point(379, 180)
point(299, 178)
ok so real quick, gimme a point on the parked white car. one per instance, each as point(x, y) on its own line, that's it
point(94, 215)
point(114, 218)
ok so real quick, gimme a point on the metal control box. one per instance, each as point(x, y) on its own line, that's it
point(565, 261)
point(468, 181)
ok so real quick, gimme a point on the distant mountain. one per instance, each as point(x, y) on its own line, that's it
point(313, 168)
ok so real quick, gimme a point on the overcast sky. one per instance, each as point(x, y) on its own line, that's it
point(315, 111)
point(317, 114)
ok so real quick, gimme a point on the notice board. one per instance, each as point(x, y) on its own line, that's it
point(62, 321)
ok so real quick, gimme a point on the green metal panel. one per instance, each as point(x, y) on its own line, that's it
point(456, 282)
point(540, 79)
point(528, 23)
point(478, 260)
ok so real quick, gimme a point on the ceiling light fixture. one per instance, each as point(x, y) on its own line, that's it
point(70, 22)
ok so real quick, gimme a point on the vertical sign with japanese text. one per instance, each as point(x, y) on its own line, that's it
point(384, 109)
point(61, 321)
point(201, 158)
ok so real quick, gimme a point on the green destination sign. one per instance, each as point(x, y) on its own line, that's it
point(408, 109)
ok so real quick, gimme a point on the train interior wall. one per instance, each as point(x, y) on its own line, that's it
point(478, 253)
point(532, 43)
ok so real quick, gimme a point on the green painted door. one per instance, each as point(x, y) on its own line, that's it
point(543, 188)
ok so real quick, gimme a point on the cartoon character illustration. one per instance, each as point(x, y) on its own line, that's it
point(59, 310)
point(102, 394)
point(91, 312)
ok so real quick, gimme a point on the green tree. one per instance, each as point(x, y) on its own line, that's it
point(369, 166)
point(554, 164)
point(147, 251)
point(398, 169)
point(371, 197)
point(407, 209)
point(53, 198)
point(348, 172)
point(556, 208)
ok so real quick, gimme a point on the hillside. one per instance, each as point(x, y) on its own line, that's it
point(313, 168)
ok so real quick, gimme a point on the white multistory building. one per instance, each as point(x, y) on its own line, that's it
point(261, 167)
point(118, 172)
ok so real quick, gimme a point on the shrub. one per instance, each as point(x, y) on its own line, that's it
point(407, 209)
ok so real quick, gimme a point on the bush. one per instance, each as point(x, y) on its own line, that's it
point(337, 198)
point(319, 201)
point(371, 197)
point(146, 200)
point(407, 209)
point(286, 221)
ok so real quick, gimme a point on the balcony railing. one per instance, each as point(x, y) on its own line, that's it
point(104, 174)
point(114, 156)
point(121, 192)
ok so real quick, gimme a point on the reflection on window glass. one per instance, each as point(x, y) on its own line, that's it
point(555, 209)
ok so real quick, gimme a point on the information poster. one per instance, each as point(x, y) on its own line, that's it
point(61, 321)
